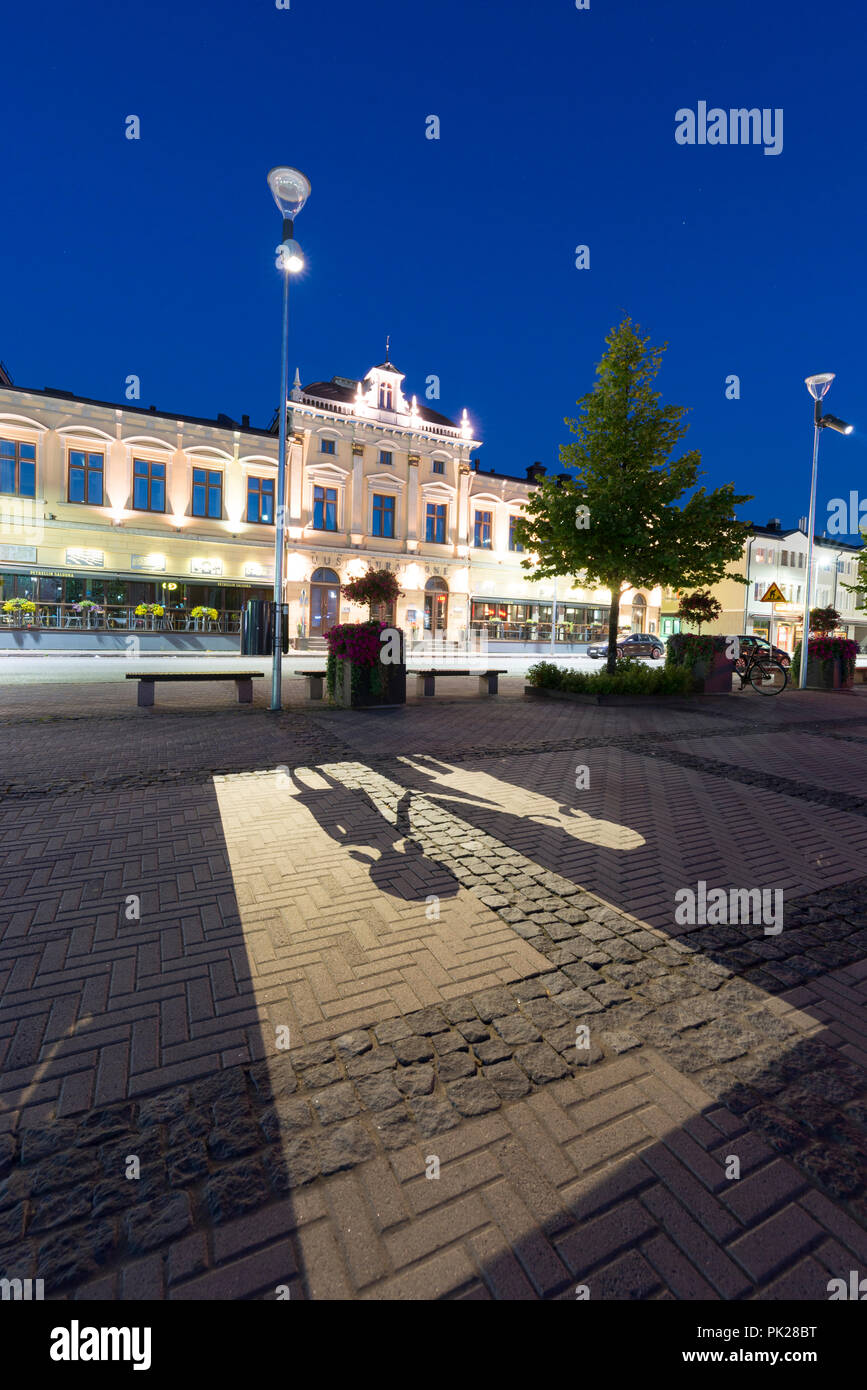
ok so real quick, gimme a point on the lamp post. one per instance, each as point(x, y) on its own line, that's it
point(818, 387)
point(290, 189)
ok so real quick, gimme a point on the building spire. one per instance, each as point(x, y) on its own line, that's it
point(387, 342)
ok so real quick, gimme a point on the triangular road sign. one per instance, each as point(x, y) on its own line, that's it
point(774, 595)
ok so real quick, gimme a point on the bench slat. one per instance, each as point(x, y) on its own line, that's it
point(196, 676)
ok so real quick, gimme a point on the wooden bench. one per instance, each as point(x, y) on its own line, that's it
point(314, 683)
point(426, 680)
point(146, 680)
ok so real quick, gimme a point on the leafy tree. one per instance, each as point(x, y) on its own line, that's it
point(824, 620)
point(620, 519)
point(699, 608)
point(860, 585)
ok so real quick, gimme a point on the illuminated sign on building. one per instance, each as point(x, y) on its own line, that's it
point(87, 559)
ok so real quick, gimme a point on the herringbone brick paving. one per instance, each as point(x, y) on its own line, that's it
point(326, 897)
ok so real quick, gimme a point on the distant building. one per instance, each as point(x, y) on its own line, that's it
point(125, 505)
point(775, 556)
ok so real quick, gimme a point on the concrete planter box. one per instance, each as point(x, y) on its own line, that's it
point(393, 683)
point(718, 679)
point(828, 675)
point(579, 698)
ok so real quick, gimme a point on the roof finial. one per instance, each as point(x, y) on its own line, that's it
point(387, 341)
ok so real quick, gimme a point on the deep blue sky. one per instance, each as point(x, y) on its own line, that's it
point(557, 128)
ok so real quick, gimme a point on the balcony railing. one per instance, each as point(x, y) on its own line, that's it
point(119, 618)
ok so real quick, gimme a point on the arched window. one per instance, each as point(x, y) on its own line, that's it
point(639, 613)
point(436, 605)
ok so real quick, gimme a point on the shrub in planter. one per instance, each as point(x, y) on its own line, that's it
point(357, 647)
point(630, 678)
point(704, 657)
point(830, 662)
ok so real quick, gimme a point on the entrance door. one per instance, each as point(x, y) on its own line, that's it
point(324, 594)
point(436, 605)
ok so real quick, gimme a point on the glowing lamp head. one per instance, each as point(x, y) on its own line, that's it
point(835, 423)
point(290, 257)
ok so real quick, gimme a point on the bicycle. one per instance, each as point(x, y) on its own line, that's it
point(766, 675)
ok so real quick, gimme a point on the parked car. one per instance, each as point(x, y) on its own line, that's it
point(636, 644)
point(751, 640)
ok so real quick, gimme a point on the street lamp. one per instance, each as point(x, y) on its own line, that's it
point(818, 387)
point(290, 189)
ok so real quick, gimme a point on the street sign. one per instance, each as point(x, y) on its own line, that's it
point(774, 595)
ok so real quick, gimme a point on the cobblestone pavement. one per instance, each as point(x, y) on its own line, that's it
point(291, 1003)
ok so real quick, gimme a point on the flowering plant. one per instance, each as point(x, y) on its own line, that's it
point(201, 612)
point(19, 605)
point(828, 649)
point(143, 609)
point(84, 605)
point(357, 643)
point(373, 588)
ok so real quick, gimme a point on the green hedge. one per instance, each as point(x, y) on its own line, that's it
point(630, 678)
point(684, 649)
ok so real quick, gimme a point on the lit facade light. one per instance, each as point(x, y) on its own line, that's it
point(833, 422)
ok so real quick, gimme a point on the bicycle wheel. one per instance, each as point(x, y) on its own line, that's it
point(768, 677)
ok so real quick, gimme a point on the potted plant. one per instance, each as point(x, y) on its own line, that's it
point(705, 657)
point(376, 588)
point(20, 610)
point(830, 662)
point(88, 609)
point(366, 664)
point(151, 611)
point(203, 615)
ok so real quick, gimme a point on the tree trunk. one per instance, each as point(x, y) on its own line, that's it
point(613, 620)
